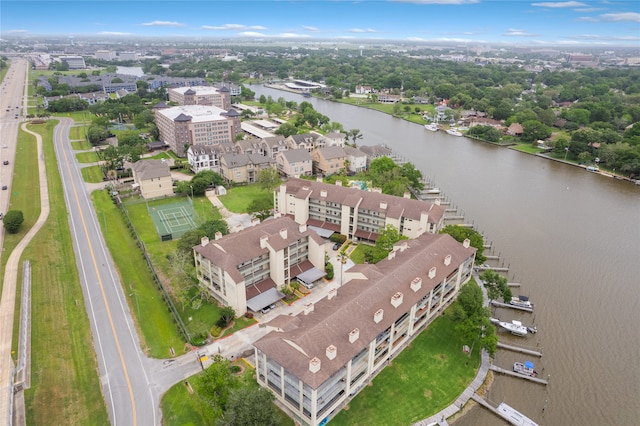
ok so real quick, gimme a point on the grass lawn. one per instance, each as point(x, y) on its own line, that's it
point(81, 145)
point(526, 147)
point(65, 387)
point(238, 198)
point(156, 328)
point(87, 157)
point(422, 380)
point(357, 255)
point(92, 174)
point(77, 133)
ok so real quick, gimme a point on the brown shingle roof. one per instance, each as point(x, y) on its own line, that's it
point(150, 169)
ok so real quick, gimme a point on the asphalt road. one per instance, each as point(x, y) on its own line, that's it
point(123, 367)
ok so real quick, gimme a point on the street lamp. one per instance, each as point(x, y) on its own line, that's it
point(191, 186)
point(566, 151)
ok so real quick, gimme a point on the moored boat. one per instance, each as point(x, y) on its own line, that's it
point(525, 368)
point(515, 327)
point(454, 132)
point(433, 127)
point(522, 301)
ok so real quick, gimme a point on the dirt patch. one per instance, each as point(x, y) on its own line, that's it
point(428, 393)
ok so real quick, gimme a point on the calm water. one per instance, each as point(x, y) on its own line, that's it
point(572, 238)
point(136, 71)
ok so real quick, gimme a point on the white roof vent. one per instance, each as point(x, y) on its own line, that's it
point(332, 293)
point(447, 260)
point(466, 243)
point(396, 299)
point(323, 193)
point(283, 233)
point(314, 364)
point(263, 241)
point(416, 284)
point(354, 335)
point(377, 317)
point(332, 351)
point(432, 272)
point(383, 205)
point(204, 241)
point(308, 308)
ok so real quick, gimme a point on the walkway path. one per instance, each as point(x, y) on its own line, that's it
point(8, 302)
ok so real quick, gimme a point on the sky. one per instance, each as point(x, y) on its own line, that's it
point(545, 23)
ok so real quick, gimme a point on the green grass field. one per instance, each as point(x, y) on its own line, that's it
point(239, 198)
point(65, 384)
point(425, 378)
point(87, 157)
point(92, 174)
point(81, 146)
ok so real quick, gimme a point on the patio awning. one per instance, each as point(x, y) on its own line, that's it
point(264, 299)
point(324, 233)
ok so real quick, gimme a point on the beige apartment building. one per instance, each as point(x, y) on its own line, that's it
point(328, 160)
point(247, 269)
point(201, 95)
point(183, 126)
point(153, 178)
point(317, 361)
point(358, 214)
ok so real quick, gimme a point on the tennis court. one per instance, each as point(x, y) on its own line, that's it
point(174, 219)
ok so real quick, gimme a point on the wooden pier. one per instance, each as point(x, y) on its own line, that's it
point(508, 415)
point(513, 284)
point(509, 305)
point(519, 349)
point(514, 374)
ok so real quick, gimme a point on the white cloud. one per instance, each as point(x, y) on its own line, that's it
point(233, 27)
point(16, 31)
point(587, 19)
point(312, 29)
point(511, 32)
point(459, 40)
point(162, 24)
point(589, 9)
point(560, 4)
point(452, 2)
point(362, 30)
point(623, 16)
point(293, 35)
point(114, 33)
point(251, 34)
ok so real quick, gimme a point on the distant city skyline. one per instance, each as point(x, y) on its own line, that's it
point(547, 23)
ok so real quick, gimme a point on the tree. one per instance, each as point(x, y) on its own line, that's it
point(409, 171)
point(388, 237)
point(496, 285)
point(260, 208)
point(215, 386)
point(472, 319)
point(461, 233)
point(268, 178)
point(227, 314)
point(213, 226)
point(354, 135)
point(533, 130)
point(249, 406)
point(13, 220)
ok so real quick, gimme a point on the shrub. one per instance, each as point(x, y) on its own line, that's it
point(13, 220)
point(215, 331)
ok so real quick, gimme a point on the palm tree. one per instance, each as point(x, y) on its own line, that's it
point(354, 135)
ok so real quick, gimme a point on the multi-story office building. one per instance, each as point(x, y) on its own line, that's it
point(183, 126)
point(201, 95)
point(246, 269)
point(353, 212)
point(315, 362)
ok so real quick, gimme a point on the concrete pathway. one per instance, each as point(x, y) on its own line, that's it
point(8, 302)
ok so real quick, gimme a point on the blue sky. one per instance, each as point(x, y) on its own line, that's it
point(559, 23)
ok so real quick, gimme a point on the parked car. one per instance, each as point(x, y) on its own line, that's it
point(5, 162)
point(593, 168)
point(268, 308)
point(336, 246)
point(4, 187)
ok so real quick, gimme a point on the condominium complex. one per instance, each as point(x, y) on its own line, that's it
point(201, 95)
point(183, 126)
point(317, 361)
point(360, 215)
point(247, 269)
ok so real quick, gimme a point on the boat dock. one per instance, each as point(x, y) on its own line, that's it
point(509, 305)
point(513, 284)
point(514, 374)
point(506, 412)
point(519, 349)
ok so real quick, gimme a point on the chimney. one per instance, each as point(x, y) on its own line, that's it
point(377, 190)
point(255, 221)
point(283, 233)
point(263, 241)
point(437, 202)
point(377, 317)
point(314, 364)
point(308, 308)
point(396, 299)
point(391, 255)
point(204, 241)
point(383, 205)
point(466, 243)
point(323, 193)
point(416, 284)
point(302, 228)
point(218, 235)
point(447, 260)
point(354, 335)
point(331, 352)
point(407, 195)
point(338, 183)
point(277, 215)
point(432, 272)
point(319, 179)
point(404, 246)
point(332, 293)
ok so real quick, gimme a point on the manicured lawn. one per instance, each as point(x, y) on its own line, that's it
point(526, 147)
point(422, 380)
point(238, 198)
point(81, 146)
point(65, 387)
point(77, 133)
point(158, 332)
point(92, 174)
point(87, 157)
point(357, 255)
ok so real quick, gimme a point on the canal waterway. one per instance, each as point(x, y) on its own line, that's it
point(570, 237)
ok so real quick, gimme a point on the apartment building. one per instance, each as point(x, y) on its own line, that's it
point(207, 157)
point(247, 269)
point(316, 362)
point(186, 125)
point(201, 95)
point(244, 168)
point(328, 160)
point(358, 214)
point(153, 178)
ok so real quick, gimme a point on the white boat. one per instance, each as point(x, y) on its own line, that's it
point(513, 416)
point(433, 127)
point(525, 368)
point(522, 301)
point(515, 327)
point(454, 132)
